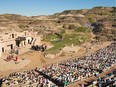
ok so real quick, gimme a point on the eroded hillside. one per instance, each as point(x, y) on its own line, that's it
point(101, 19)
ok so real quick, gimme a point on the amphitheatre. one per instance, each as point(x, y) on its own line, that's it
point(74, 48)
point(30, 59)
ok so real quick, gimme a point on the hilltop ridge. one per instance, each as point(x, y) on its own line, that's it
point(101, 18)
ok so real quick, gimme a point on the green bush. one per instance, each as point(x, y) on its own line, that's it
point(72, 26)
point(91, 20)
point(63, 31)
point(82, 29)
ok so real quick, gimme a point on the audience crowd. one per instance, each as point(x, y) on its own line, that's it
point(107, 81)
point(67, 72)
point(27, 79)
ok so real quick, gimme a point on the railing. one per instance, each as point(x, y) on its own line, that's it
point(20, 38)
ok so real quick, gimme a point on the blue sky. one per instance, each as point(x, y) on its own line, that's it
point(47, 7)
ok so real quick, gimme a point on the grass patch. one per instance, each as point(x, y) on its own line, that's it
point(68, 39)
point(82, 29)
point(57, 47)
point(50, 37)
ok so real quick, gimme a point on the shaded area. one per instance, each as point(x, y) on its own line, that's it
point(57, 82)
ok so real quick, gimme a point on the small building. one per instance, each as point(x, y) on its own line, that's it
point(10, 40)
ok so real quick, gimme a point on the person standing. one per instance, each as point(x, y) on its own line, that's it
point(0, 82)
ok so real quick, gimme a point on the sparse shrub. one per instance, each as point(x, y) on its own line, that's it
point(91, 20)
point(72, 26)
point(82, 29)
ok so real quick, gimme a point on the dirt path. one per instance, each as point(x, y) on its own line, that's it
point(36, 60)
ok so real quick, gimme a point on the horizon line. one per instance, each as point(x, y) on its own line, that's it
point(53, 12)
